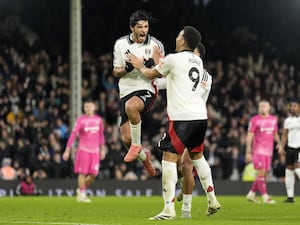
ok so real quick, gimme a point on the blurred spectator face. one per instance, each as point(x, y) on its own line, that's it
point(28, 179)
point(15, 109)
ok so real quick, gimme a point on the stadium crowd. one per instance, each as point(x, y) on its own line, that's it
point(34, 110)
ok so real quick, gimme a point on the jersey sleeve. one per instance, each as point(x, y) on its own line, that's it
point(164, 66)
point(252, 125)
point(206, 84)
point(101, 133)
point(118, 59)
point(161, 83)
point(73, 133)
point(285, 124)
point(161, 47)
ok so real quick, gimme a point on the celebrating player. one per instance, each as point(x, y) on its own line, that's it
point(186, 107)
point(187, 181)
point(137, 92)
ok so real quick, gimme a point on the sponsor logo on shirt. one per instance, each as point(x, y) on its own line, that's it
point(91, 129)
point(268, 130)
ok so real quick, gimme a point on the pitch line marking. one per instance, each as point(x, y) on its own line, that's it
point(45, 223)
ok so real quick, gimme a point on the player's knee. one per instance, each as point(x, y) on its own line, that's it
point(129, 109)
point(134, 105)
point(130, 106)
point(297, 172)
point(186, 168)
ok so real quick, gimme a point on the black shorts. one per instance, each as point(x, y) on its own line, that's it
point(184, 134)
point(292, 156)
point(145, 95)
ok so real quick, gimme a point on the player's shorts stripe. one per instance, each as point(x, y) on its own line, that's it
point(176, 142)
point(199, 148)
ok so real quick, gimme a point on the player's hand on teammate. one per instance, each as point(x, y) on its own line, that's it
point(149, 63)
point(128, 67)
point(139, 63)
point(157, 55)
point(135, 61)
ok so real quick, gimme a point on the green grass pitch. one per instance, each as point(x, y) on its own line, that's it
point(136, 210)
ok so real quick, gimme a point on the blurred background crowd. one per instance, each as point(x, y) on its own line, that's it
point(34, 82)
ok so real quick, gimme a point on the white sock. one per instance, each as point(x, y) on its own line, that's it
point(187, 202)
point(142, 155)
point(169, 180)
point(265, 197)
point(297, 172)
point(136, 132)
point(289, 182)
point(82, 194)
point(204, 174)
point(251, 193)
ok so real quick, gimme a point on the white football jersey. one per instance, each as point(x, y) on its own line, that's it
point(188, 86)
point(134, 80)
point(292, 124)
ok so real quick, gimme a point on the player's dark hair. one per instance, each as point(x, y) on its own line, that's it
point(138, 16)
point(192, 36)
point(294, 100)
point(201, 49)
point(88, 100)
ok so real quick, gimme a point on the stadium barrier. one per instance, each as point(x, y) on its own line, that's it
point(101, 188)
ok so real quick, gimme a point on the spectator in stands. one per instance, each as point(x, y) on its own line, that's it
point(57, 168)
point(15, 116)
point(61, 129)
point(42, 167)
point(26, 187)
point(4, 151)
point(40, 112)
point(7, 172)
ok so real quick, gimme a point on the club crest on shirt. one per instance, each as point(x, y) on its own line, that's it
point(147, 53)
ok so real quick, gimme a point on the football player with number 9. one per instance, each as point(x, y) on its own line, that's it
point(186, 108)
